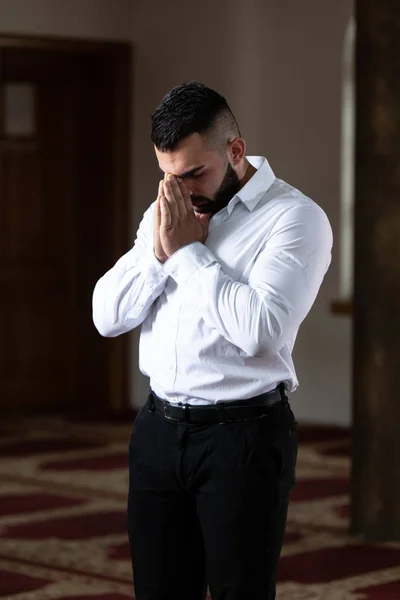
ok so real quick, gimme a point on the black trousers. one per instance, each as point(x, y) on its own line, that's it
point(207, 505)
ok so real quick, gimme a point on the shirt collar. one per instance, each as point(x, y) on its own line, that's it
point(256, 187)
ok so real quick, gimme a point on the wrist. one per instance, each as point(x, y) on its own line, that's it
point(161, 259)
point(175, 250)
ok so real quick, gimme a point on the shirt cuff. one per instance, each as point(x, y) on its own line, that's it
point(155, 269)
point(188, 260)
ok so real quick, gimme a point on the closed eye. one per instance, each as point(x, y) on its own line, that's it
point(194, 174)
point(189, 174)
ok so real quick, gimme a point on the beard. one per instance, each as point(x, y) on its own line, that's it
point(229, 187)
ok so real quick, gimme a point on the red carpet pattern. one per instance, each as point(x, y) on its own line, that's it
point(63, 526)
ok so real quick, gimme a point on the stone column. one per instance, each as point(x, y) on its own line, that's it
point(375, 495)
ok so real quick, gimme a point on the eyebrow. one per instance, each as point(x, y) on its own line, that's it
point(187, 173)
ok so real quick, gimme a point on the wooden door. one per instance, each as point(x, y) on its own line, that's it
point(56, 220)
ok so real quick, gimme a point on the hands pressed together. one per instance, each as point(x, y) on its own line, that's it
point(175, 222)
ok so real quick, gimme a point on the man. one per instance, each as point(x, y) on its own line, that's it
point(226, 265)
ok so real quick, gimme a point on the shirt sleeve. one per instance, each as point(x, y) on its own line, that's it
point(261, 316)
point(122, 298)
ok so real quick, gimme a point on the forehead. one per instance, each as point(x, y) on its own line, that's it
point(192, 152)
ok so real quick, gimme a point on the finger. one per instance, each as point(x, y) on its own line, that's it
point(185, 195)
point(173, 204)
point(165, 213)
point(176, 190)
point(157, 213)
point(157, 206)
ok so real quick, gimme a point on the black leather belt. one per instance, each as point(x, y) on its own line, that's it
point(222, 412)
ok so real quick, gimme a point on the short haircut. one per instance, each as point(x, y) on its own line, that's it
point(192, 108)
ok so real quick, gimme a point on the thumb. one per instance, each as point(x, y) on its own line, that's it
point(204, 220)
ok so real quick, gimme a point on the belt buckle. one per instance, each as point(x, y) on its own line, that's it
point(170, 406)
point(166, 415)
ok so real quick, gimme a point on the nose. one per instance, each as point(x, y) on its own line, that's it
point(188, 186)
point(189, 189)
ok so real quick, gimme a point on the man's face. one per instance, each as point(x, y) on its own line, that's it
point(208, 175)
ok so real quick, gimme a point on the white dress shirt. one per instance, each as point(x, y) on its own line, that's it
point(219, 319)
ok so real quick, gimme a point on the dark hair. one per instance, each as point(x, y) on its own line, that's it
point(189, 108)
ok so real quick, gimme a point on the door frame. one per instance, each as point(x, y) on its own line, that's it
point(119, 55)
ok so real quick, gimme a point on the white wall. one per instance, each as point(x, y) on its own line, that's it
point(279, 65)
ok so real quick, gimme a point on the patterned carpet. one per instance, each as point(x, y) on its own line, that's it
point(62, 518)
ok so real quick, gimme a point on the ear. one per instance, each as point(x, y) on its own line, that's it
point(236, 151)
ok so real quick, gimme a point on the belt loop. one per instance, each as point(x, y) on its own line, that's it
point(220, 411)
point(151, 403)
point(186, 413)
point(283, 393)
